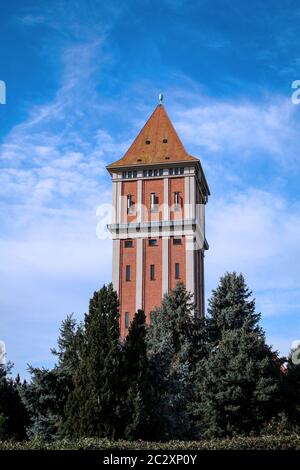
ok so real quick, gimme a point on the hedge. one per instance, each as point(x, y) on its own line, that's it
point(291, 442)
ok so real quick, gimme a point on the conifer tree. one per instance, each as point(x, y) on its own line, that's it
point(292, 388)
point(171, 355)
point(238, 386)
point(46, 395)
point(136, 403)
point(230, 307)
point(13, 415)
point(93, 408)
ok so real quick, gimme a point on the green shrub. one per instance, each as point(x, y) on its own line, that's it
point(284, 442)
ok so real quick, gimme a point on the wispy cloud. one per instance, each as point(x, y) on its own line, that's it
point(268, 128)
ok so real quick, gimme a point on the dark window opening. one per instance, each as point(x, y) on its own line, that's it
point(153, 202)
point(171, 171)
point(152, 272)
point(176, 241)
point(147, 142)
point(181, 171)
point(165, 141)
point(177, 271)
point(128, 243)
point(167, 158)
point(128, 273)
point(161, 171)
point(145, 173)
point(152, 242)
point(130, 205)
point(127, 320)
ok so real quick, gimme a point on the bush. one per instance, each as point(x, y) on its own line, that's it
point(284, 442)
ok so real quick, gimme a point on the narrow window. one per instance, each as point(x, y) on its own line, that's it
point(129, 174)
point(170, 171)
point(176, 171)
point(129, 204)
point(127, 319)
point(127, 273)
point(150, 173)
point(145, 173)
point(134, 173)
point(177, 271)
point(161, 172)
point(176, 241)
point(153, 202)
point(165, 141)
point(155, 172)
point(124, 174)
point(176, 201)
point(152, 242)
point(128, 244)
point(181, 171)
point(152, 272)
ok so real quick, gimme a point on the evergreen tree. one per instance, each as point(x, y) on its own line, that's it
point(230, 307)
point(171, 352)
point(136, 381)
point(292, 388)
point(46, 395)
point(93, 408)
point(239, 385)
point(68, 346)
point(13, 416)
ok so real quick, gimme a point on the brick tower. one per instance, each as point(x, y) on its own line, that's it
point(158, 222)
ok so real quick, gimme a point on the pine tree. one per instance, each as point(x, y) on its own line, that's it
point(171, 353)
point(93, 408)
point(46, 395)
point(13, 415)
point(68, 346)
point(292, 388)
point(136, 381)
point(239, 385)
point(230, 307)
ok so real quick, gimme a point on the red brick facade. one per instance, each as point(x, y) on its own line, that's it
point(159, 193)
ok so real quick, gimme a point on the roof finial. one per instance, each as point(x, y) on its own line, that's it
point(160, 98)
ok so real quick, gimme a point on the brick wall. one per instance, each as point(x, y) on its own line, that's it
point(127, 288)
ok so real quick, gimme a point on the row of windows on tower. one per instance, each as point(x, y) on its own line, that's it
point(153, 172)
point(154, 201)
point(152, 272)
point(151, 242)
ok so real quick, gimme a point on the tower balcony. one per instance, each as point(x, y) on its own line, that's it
point(162, 228)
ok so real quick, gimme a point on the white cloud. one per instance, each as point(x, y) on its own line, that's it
point(239, 129)
point(257, 233)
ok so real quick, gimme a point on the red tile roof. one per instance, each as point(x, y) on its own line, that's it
point(157, 142)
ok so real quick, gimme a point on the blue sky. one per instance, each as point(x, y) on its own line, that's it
point(82, 77)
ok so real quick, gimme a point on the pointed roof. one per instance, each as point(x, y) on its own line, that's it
point(157, 142)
